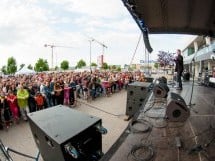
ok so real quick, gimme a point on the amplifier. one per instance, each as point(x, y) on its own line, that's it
point(64, 134)
point(176, 108)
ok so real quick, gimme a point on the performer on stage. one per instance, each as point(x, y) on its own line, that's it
point(179, 67)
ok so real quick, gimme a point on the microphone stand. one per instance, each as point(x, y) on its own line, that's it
point(192, 87)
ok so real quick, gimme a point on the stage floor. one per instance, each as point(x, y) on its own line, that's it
point(159, 143)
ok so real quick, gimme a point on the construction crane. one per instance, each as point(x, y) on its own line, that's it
point(91, 39)
point(102, 44)
point(52, 48)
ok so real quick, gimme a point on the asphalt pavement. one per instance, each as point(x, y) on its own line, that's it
point(110, 109)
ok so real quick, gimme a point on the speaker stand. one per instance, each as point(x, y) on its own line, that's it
point(191, 95)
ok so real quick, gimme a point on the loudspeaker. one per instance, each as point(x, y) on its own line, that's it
point(176, 109)
point(162, 80)
point(146, 39)
point(132, 107)
point(64, 134)
point(160, 90)
point(137, 92)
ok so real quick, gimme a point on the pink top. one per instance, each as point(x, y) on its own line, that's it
point(66, 92)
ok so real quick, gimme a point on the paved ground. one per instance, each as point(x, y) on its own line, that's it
point(110, 109)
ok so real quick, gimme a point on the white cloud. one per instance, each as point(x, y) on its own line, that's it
point(93, 8)
point(26, 25)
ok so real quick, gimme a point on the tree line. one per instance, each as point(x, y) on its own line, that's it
point(42, 65)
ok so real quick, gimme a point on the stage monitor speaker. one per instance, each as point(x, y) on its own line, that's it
point(137, 92)
point(176, 109)
point(64, 134)
point(162, 80)
point(160, 90)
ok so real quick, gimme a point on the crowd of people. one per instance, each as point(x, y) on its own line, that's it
point(29, 93)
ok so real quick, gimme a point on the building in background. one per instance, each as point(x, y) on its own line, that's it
point(202, 51)
point(100, 60)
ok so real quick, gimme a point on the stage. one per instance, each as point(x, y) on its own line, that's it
point(160, 143)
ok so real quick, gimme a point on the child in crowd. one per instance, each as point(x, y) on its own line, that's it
point(12, 101)
point(39, 101)
point(58, 93)
point(66, 94)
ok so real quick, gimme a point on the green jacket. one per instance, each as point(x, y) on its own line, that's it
point(22, 98)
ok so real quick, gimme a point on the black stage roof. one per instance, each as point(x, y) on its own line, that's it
point(195, 17)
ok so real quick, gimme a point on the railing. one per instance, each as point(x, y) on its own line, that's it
point(200, 52)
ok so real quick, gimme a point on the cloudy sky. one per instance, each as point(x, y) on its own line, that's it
point(26, 25)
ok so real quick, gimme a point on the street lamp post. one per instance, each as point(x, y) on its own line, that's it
point(91, 52)
point(52, 49)
point(98, 42)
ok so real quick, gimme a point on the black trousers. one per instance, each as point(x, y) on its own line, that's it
point(179, 74)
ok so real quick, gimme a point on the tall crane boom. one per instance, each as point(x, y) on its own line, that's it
point(100, 43)
point(52, 46)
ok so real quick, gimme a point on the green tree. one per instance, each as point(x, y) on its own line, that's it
point(56, 68)
point(81, 63)
point(21, 66)
point(30, 66)
point(4, 69)
point(11, 65)
point(118, 69)
point(156, 65)
point(126, 66)
point(113, 67)
point(64, 65)
point(105, 66)
point(41, 65)
point(130, 68)
point(93, 64)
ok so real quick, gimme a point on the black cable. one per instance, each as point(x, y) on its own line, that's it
point(181, 125)
point(94, 107)
point(206, 155)
point(5, 152)
point(199, 134)
point(22, 154)
point(155, 125)
point(141, 121)
point(149, 107)
point(146, 148)
point(136, 49)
